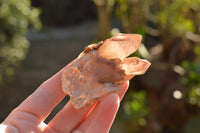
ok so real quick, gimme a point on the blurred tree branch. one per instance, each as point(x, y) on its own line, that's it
point(104, 10)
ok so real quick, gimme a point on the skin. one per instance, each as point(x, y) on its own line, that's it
point(29, 116)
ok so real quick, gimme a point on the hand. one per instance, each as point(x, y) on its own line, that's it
point(29, 116)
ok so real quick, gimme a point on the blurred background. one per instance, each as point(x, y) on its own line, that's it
point(39, 37)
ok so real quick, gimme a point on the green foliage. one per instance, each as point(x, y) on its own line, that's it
point(192, 73)
point(136, 106)
point(127, 11)
point(135, 110)
point(197, 50)
point(15, 18)
point(173, 17)
point(124, 13)
point(171, 21)
point(192, 81)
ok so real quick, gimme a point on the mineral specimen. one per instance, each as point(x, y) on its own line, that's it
point(102, 68)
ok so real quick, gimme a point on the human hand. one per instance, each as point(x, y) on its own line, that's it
point(29, 116)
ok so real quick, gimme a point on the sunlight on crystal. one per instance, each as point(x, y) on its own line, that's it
point(177, 94)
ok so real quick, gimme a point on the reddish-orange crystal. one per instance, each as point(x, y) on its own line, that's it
point(102, 68)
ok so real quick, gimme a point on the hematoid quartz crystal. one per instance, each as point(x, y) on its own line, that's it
point(102, 69)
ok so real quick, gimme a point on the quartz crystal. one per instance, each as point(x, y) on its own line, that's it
point(102, 69)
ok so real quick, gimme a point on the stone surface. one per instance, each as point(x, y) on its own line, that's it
point(102, 68)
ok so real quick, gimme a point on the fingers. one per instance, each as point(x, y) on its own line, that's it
point(73, 118)
point(122, 92)
point(41, 103)
point(102, 117)
point(24, 122)
point(8, 128)
point(45, 98)
point(68, 118)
